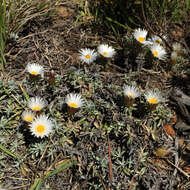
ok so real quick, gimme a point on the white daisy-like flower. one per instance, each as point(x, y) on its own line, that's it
point(177, 47)
point(41, 126)
point(153, 97)
point(140, 35)
point(157, 39)
point(158, 51)
point(36, 104)
point(28, 116)
point(106, 51)
point(131, 92)
point(74, 100)
point(35, 69)
point(87, 55)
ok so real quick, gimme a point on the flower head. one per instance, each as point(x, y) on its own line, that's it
point(177, 47)
point(87, 55)
point(28, 116)
point(157, 39)
point(131, 92)
point(140, 35)
point(106, 51)
point(153, 97)
point(74, 100)
point(35, 69)
point(41, 126)
point(158, 51)
point(36, 104)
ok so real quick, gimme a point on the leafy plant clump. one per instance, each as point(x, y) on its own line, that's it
point(84, 111)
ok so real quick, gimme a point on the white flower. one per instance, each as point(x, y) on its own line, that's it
point(74, 100)
point(106, 51)
point(131, 92)
point(157, 39)
point(35, 69)
point(87, 55)
point(41, 126)
point(153, 97)
point(158, 51)
point(28, 116)
point(140, 35)
point(36, 104)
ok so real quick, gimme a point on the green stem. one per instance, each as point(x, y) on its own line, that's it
point(35, 184)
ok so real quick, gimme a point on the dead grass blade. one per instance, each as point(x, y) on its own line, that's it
point(8, 152)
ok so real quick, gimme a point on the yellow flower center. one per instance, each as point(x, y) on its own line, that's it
point(36, 108)
point(131, 95)
point(29, 118)
point(155, 53)
point(141, 39)
point(73, 105)
point(34, 73)
point(158, 41)
point(105, 53)
point(40, 128)
point(153, 101)
point(87, 56)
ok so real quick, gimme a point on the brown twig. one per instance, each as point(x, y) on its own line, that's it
point(18, 187)
point(184, 173)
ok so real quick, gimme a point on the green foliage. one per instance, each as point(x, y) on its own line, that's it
point(165, 12)
point(79, 142)
point(84, 134)
point(3, 30)
point(119, 15)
